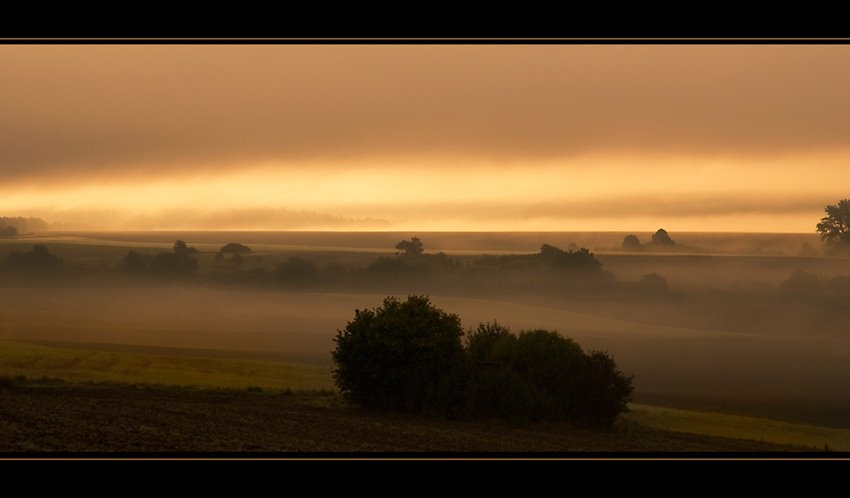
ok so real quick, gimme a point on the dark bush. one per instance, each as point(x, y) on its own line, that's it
point(39, 261)
point(408, 356)
point(403, 356)
point(541, 375)
point(479, 344)
point(653, 283)
point(178, 263)
point(134, 263)
point(662, 238)
point(296, 270)
point(234, 248)
point(631, 243)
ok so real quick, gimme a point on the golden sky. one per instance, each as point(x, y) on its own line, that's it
point(426, 137)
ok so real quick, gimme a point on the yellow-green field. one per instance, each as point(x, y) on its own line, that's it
point(88, 364)
point(738, 427)
point(71, 364)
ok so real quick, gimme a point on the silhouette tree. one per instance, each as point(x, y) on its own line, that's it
point(38, 261)
point(180, 247)
point(413, 247)
point(178, 263)
point(234, 248)
point(399, 356)
point(631, 242)
point(134, 263)
point(581, 260)
point(9, 231)
point(834, 228)
point(661, 238)
point(654, 283)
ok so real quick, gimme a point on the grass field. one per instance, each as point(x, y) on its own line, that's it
point(35, 361)
point(738, 427)
point(189, 368)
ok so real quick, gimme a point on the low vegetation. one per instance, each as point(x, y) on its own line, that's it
point(409, 356)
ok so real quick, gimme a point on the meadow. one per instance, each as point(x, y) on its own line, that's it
point(724, 351)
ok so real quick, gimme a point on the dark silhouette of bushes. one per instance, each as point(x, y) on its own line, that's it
point(654, 283)
point(631, 243)
point(180, 247)
point(178, 263)
point(662, 238)
point(134, 264)
point(409, 356)
point(581, 261)
point(234, 248)
point(296, 270)
point(401, 356)
point(38, 261)
point(9, 231)
point(412, 247)
point(834, 228)
point(541, 375)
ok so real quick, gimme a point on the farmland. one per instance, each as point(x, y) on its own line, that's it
point(726, 340)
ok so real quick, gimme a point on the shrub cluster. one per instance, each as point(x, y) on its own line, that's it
point(410, 356)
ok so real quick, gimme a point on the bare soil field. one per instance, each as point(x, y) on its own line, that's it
point(45, 418)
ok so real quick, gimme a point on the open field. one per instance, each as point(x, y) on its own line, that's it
point(106, 418)
point(725, 339)
point(111, 371)
point(738, 427)
point(83, 363)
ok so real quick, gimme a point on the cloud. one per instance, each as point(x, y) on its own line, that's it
point(71, 112)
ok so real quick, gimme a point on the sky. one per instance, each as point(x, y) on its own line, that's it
point(425, 137)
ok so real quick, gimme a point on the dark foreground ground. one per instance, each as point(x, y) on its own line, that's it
point(98, 418)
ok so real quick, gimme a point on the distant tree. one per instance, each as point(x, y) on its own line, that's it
point(631, 242)
point(234, 248)
point(236, 259)
point(412, 247)
point(180, 247)
point(834, 228)
point(296, 269)
point(178, 263)
point(654, 283)
point(133, 263)
point(662, 238)
point(23, 225)
point(38, 261)
point(582, 260)
point(9, 231)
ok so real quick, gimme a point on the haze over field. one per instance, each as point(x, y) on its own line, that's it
point(440, 137)
point(655, 202)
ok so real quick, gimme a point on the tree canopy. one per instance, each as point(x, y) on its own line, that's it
point(834, 228)
point(662, 238)
point(409, 356)
point(178, 263)
point(631, 242)
point(38, 261)
point(234, 248)
point(397, 356)
point(412, 247)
